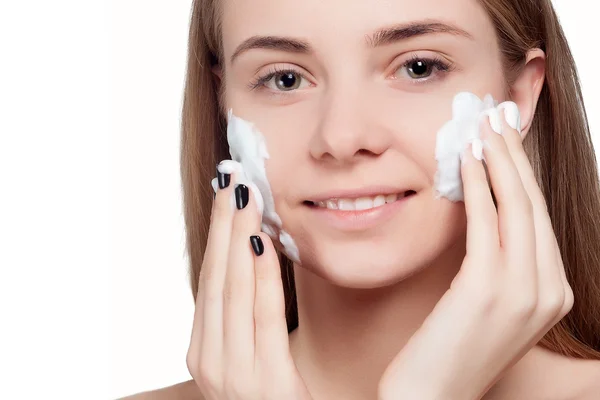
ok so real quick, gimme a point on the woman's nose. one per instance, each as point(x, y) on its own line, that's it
point(347, 130)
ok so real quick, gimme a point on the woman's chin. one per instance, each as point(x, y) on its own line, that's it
point(362, 270)
point(380, 262)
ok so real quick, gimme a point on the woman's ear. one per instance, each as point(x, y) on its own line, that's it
point(526, 89)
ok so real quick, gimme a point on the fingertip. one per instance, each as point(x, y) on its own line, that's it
point(269, 246)
point(257, 244)
point(510, 122)
point(266, 262)
point(512, 115)
point(261, 244)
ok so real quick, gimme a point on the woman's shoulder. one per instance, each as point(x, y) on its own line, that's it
point(187, 390)
point(577, 379)
point(591, 390)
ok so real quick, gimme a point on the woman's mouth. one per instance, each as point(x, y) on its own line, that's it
point(356, 214)
point(361, 203)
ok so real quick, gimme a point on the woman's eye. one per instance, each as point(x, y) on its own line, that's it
point(419, 69)
point(424, 69)
point(280, 80)
point(285, 81)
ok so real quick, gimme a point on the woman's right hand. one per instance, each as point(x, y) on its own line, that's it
point(239, 347)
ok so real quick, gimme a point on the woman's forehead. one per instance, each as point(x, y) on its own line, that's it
point(343, 21)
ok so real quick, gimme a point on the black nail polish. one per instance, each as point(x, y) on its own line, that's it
point(257, 245)
point(241, 196)
point(223, 179)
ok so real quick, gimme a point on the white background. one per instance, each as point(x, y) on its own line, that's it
point(94, 296)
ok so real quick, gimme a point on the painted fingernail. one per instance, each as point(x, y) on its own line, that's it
point(257, 245)
point(241, 196)
point(223, 179)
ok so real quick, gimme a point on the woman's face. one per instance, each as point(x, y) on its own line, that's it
point(349, 110)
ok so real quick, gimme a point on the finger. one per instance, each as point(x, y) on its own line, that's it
point(515, 215)
point(239, 291)
point(482, 219)
point(569, 299)
point(550, 269)
point(515, 148)
point(207, 328)
point(272, 341)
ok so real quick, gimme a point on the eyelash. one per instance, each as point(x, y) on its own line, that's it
point(435, 62)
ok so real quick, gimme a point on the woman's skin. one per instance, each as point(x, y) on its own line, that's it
point(357, 119)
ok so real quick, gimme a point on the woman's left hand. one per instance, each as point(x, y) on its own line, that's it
point(511, 288)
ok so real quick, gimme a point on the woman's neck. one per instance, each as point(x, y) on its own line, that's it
point(347, 337)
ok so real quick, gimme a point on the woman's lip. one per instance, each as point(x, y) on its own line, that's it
point(358, 220)
point(354, 194)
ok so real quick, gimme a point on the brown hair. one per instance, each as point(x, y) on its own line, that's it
point(558, 144)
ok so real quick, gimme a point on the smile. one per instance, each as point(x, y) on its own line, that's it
point(361, 203)
point(348, 214)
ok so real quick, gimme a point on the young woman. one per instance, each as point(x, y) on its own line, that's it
point(496, 297)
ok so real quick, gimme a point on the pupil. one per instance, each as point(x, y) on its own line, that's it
point(287, 80)
point(419, 68)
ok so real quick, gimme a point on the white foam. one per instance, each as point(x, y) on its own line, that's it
point(455, 135)
point(248, 150)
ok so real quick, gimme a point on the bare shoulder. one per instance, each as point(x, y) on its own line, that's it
point(578, 379)
point(591, 390)
point(181, 391)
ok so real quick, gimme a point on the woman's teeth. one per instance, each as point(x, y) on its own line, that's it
point(362, 203)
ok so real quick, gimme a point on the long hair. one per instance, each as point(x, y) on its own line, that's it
point(558, 145)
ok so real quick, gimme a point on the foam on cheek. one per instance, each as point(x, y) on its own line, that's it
point(248, 150)
point(462, 129)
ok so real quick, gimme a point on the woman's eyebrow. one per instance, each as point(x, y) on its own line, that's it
point(402, 32)
point(381, 37)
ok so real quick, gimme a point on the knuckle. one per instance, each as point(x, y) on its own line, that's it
point(231, 287)
point(488, 302)
point(553, 304)
point(191, 363)
point(203, 372)
point(485, 296)
point(569, 299)
point(227, 292)
point(524, 308)
point(207, 375)
point(235, 286)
